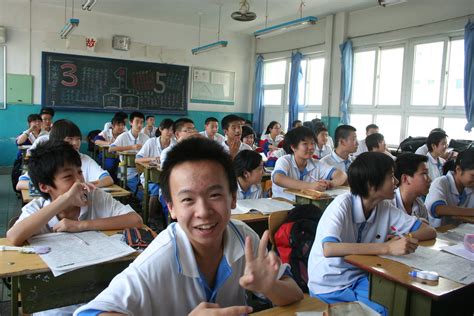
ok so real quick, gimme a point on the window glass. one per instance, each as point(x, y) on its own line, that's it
point(421, 125)
point(274, 72)
point(315, 81)
point(272, 97)
point(454, 127)
point(2, 78)
point(390, 76)
point(389, 127)
point(455, 86)
point(363, 77)
point(360, 121)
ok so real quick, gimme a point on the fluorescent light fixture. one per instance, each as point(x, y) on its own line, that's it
point(206, 48)
point(387, 3)
point(88, 4)
point(285, 27)
point(67, 29)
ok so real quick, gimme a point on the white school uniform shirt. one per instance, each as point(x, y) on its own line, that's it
point(40, 139)
point(287, 166)
point(31, 137)
point(108, 135)
point(337, 162)
point(323, 152)
point(91, 171)
point(127, 139)
point(443, 191)
point(165, 279)
point(422, 150)
point(362, 148)
point(164, 154)
point(152, 148)
point(344, 221)
point(254, 192)
point(242, 147)
point(147, 132)
point(435, 166)
point(218, 137)
point(418, 208)
point(269, 139)
point(101, 205)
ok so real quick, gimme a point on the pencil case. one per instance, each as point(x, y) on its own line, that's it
point(138, 237)
point(469, 242)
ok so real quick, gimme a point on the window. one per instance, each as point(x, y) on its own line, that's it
point(421, 125)
point(3, 98)
point(363, 81)
point(360, 121)
point(454, 127)
point(455, 86)
point(389, 127)
point(390, 76)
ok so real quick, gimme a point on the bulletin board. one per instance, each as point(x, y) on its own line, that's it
point(212, 86)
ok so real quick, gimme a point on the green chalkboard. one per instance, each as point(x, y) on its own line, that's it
point(85, 83)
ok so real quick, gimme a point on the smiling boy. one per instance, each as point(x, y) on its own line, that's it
point(205, 261)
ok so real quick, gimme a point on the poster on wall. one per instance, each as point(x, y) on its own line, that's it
point(212, 86)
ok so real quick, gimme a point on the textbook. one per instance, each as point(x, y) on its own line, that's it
point(71, 251)
point(264, 206)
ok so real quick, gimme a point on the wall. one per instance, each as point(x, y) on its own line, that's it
point(152, 41)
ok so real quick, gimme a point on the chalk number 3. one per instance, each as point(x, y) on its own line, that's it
point(70, 74)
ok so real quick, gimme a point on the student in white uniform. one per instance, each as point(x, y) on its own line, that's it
point(298, 170)
point(204, 262)
point(211, 126)
point(369, 130)
point(47, 115)
point(411, 172)
point(67, 203)
point(248, 137)
point(452, 194)
point(150, 128)
point(151, 152)
point(376, 142)
point(183, 128)
point(272, 139)
point(322, 149)
point(120, 115)
point(359, 223)
point(248, 166)
point(437, 144)
point(29, 136)
point(346, 144)
point(232, 126)
point(423, 150)
point(131, 140)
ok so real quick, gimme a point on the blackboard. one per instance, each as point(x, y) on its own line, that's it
point(72, 82)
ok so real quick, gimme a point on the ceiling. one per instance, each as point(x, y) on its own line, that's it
point(187, 11)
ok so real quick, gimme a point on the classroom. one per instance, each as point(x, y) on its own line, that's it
point(403, 68)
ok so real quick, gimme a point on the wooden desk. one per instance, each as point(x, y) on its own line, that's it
point(392, 287)
point(127, 160)
point(40, 290)
point(151, 174)
point(302, 199)
point(24, 159)
point(306, 305)
point(104, 150)
point(465, 219)
point(251, 217)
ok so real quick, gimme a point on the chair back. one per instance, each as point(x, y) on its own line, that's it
point(275, 220)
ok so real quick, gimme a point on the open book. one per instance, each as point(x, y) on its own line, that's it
point(264, 206)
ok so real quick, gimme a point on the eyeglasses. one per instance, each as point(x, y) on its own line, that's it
point(189, 130)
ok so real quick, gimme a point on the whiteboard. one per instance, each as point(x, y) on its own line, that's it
point(212, 86)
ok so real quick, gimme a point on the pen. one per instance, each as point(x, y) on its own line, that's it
point(397, 233)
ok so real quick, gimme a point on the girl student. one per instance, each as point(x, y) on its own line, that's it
point(248, 166)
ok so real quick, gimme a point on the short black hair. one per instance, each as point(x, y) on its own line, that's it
point(62, 129)
point(246, 131)
point(164, 124)
point(226, 120)
point(118, 120)
point(373, 140)
point(248, 122)
point(369, 169)
point(47, 110)
point(408, 163)
point(465, 159)
point(342, 132)
point(246, 160)
point(210, 119)
point(136, 114)
point(434, 139)
point(149, 116)
point(47, 158)
point(270, 126)
point(437, 129)
point(295, 122)
point(33, 117)
point(121, 115)
point(295, 136)
point(370, 126)
point(195, 149)
point(179, 123)
point(320, 130)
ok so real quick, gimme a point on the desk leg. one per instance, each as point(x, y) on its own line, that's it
point(103, 151)
point(14, 293)
point(146, 198)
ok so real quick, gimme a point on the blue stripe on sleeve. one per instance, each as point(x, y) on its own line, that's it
point(105, 174)
point(329, 177)
point(90, 312)
point(278, 171)
point(433, 207)
point(330, 239)
point(416, 226)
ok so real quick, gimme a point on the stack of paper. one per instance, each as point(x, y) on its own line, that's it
point(264, 206)
point(71, 251)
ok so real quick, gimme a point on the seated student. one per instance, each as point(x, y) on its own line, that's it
point(322, 149)
point(29, 136)
point(376, 142)
point(204, 262)
point(67, 203)
point(452, 194)
point(47, 115)
point(183, 128)
point(65, 130)
point(151, 151)
point(423, 150)
point(369, 130)
point(298, 170)
point(248, 137)
point(272, 139)
point(211, 126)
point(131, 140)
point(411, 172)
point(231, 124)
point(437, 144)
point(248, 167)
point(296, 123)
point(346, 144)
point(150, 128)
point(359, 223)
point(121, 116)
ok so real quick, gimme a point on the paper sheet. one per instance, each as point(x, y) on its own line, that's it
point(264, 206)
point(457, 234)
point(447, 265)
point(337, 191)
point(71, 251)
point(460, 251)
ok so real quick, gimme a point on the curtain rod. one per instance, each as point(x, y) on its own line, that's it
point(291, 50)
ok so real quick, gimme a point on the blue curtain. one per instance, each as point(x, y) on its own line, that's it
point(469, 74)
point(258, 96)
point(346, 79)
point(295, 77)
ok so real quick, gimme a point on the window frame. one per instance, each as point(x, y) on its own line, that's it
point(3, 61)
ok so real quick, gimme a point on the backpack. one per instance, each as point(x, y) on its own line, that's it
point(411, 144)
point(460, 145)
point(294, 240)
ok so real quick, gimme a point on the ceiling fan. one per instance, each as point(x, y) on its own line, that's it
point(244, 14)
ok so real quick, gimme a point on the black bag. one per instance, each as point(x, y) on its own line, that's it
point(16, 172)
point(460, 145)
point(90, 139)
point(411, 144)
